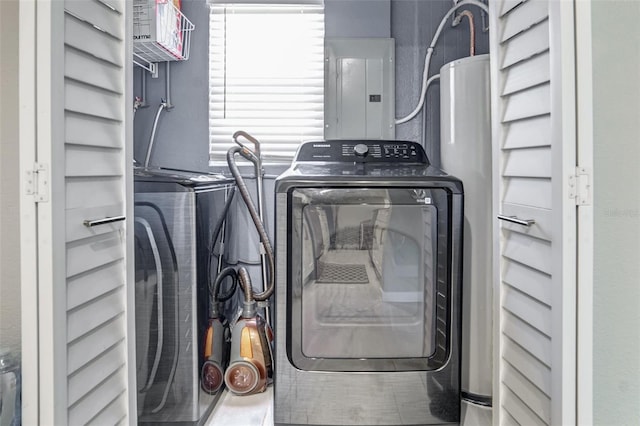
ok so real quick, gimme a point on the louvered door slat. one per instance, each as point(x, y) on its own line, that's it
point(82, 160)
point(528, 365)
point(532, 192)
point(530, 338)
point(91, 375)
point(84, 129)
point(97, 400)
point(536, 400)
point(528, 280)
point(534, 162)
point(85, 287)
point(85, 68)
point(520, 411)
point(99, 311)
point(508, 420)
point(529, 103)
point(93, 192)
point(532, 312)
point(82, 98)
point(81, 352)
point(526, 45)
point(83, 36)
point(524, 17)
point(92, 253)
point(113, 414)
point(533, 252)
point(528, 133)
point(98, 14)
point(506, 6)
point(116, 5)
point(526, 75)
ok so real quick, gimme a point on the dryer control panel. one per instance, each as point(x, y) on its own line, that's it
point(362, 151)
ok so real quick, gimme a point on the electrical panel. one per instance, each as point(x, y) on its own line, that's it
point(359, 88)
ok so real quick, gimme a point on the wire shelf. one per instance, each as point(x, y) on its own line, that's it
point(161, 33)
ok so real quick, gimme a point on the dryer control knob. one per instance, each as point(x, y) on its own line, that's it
point(361, 150)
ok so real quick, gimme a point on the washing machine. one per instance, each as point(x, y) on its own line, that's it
point(367, 308)
point(179, 224)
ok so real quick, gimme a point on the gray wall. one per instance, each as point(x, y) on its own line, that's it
point(616, 269)
point(182, 133)
point(413, 25)
point(361, 18)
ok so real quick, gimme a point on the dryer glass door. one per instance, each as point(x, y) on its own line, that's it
point(365, 268)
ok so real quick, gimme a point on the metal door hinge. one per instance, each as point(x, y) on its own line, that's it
point(37, 182)
point(580, 188)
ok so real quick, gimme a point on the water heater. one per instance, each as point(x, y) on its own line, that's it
point(465, 151)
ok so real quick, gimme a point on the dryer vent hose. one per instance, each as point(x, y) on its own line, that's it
point(264, 238)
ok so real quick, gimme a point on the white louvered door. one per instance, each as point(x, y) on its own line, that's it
point(83, 103)
point(534, 155)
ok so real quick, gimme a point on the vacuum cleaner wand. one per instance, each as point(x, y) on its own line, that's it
point(264, 238)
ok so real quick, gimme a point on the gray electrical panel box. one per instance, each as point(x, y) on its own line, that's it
point(359, 88)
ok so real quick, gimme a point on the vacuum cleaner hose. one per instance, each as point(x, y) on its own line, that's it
point(215, 289)
point(249, 308)
point(264, 238)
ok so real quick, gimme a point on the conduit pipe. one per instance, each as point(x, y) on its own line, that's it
point(427, 59)
point(167, 87)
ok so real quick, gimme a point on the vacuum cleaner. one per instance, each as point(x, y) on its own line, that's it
point(247, 367)
point(251, 361)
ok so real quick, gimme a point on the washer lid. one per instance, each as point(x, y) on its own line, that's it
point(182, 177)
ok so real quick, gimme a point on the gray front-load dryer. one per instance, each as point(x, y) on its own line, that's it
point(368, 242)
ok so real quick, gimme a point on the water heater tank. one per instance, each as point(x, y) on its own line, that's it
point(465, 151)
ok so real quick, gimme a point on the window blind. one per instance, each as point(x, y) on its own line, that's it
point(266, 77)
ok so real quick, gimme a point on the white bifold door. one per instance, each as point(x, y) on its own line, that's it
point(76, 104)
point(535, 202)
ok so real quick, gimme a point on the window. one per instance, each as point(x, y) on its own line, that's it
point(266, 77)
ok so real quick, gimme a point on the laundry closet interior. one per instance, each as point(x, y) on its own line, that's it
point(319, 212)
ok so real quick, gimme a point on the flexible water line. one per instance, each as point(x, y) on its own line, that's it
point(427, 59)
point(162, 106)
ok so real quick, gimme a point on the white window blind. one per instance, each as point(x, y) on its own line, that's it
point(266, 77)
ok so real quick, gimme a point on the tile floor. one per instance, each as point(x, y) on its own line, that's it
point(252, 410)
point(257, 410)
